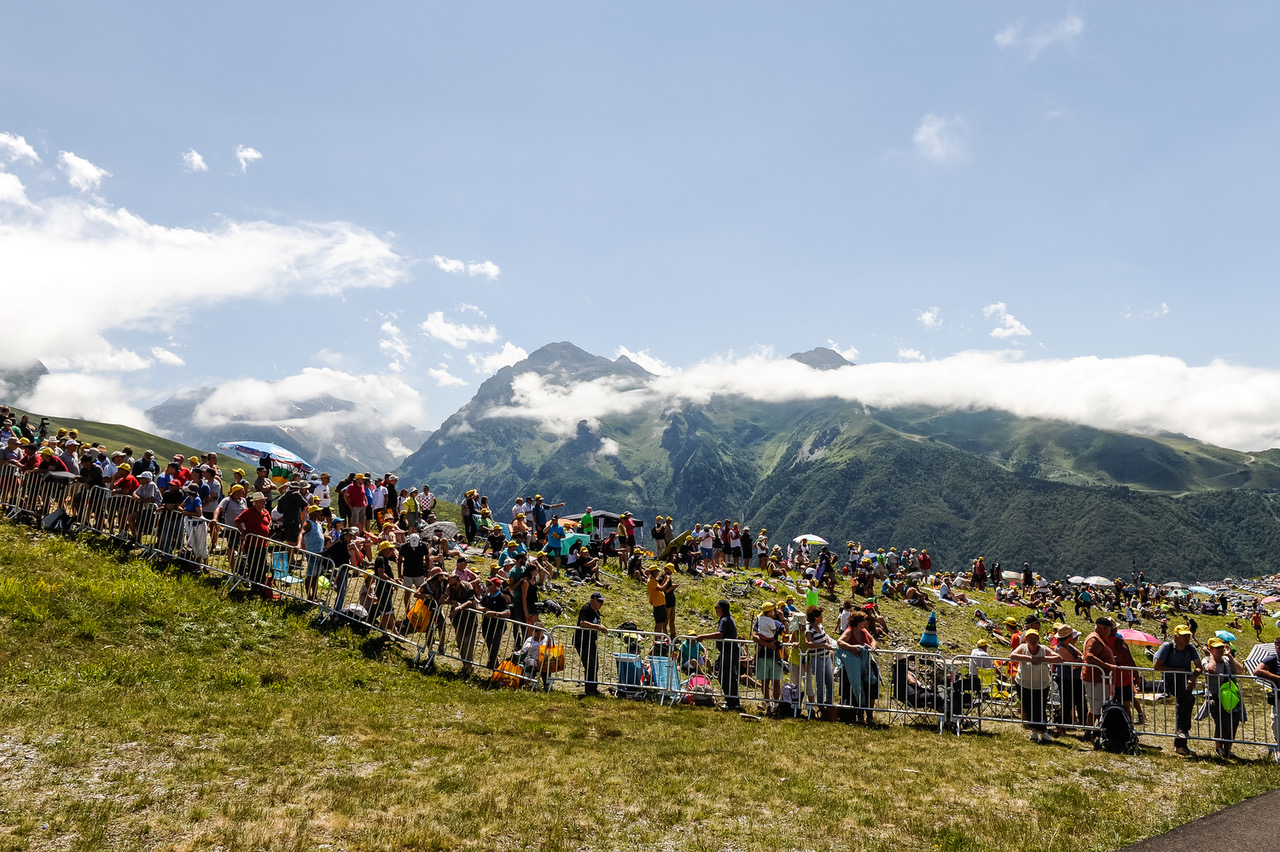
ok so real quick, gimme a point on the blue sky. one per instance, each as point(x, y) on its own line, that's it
point(424, 192)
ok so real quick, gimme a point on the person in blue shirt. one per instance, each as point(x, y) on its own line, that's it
point(555, 540)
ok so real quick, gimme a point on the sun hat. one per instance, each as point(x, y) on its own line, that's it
point(767, 607)
point(237, 487)
point(1182, 630)
point(1215, 642)
point(385, 545)
point(1031, 632)
point(983, 643)
point(257, 495)
point(1011, 621)
point(1064, 631)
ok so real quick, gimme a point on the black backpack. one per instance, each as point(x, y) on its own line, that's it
point(1115, 730)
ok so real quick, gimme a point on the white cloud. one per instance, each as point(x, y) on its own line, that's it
point(444, 378)
point(645, 360)
point(486, 268)
point(608, 447)
point(448, 264)
point(193, 162)
point(82, 248)
point(1149, 313)
point(475, 309)
point(165, 356)
point(393, 344)
point(246, 156)
point(457, 335)
point(906, 354)
point(488, 364)
point(1221, 403)
point(12, 191)
point(330, 358)
point(81, 174)
point(930, 318)
point(14, 148)
point(397, 447)
point(271, 403)
point(87, 395)
point(1015, 35)
point(939, 139)
point(849, 353)
point(98, 356)
point(1009, 325)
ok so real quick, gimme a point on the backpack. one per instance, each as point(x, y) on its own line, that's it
point(787, 701)
point(1115, 730)
point(699, 692)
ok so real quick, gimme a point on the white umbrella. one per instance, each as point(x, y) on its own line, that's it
point(1076, 580)
point(1256, 656)
point(809, 539)
point(1097, 581)
point(1174, 585)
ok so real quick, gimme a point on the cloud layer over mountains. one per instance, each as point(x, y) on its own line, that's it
point(1222, 404)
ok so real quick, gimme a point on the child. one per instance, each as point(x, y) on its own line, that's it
point(530, 650)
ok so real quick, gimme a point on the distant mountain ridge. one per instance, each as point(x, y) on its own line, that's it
point(963, 483)
point(358, 440)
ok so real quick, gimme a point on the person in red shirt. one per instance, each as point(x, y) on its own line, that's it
point(49, 462)
point(255, 521)
point(357, 502)
point(926, 562)
point(125, 482)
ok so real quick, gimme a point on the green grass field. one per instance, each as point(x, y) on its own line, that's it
point(141, 711)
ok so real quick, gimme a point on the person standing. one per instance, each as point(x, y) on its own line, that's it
point(1100, 664)
point(728, 655)
point(1223, 702)
point(657, 599)
point(819, 668)
point(1269, 671)
point(584, 641)
point(1033, 680)
point(1180, 662)
point(357, 501)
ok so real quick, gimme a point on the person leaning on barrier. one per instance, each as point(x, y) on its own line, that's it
point(1269, 671)
point(256, 520)
point(495, 606)
point(1100, 663)
point(1225, 709)
point(728, 659)
point(1034, 680)
point(584, 641)
point(1180, 662)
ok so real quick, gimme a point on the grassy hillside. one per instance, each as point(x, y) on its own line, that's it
point(142, 711)
point(114, 436)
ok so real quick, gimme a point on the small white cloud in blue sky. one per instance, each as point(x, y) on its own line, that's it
point(1149, 313)
point(14, 148)
point(457, 335)
point(1009, 325)
point(907, 354)
point(486, 268)
point(247, 155)
point(167, 356)
point(81, 174)
point(193, 162)
point(393, 344)
point(930, 318)
point(443, 378)
point(1015, 35)
point(940, 139)
point(12, 191)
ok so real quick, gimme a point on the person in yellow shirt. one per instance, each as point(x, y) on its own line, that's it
point(657, 599)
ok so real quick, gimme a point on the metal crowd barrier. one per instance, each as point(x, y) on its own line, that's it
point(629, 663)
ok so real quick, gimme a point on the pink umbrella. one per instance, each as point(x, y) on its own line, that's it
point(1137, 637)
point(1271, 599)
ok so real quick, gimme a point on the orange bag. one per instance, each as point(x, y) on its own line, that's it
point(507, 674)
point(550, 659)
point(419, 616)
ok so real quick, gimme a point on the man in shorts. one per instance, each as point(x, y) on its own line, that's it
point(1100, 663)
point(357, 502)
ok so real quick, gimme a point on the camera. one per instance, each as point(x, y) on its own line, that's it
point(44, 428)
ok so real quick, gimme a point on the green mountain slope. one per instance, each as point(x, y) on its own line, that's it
point(1066, 497)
